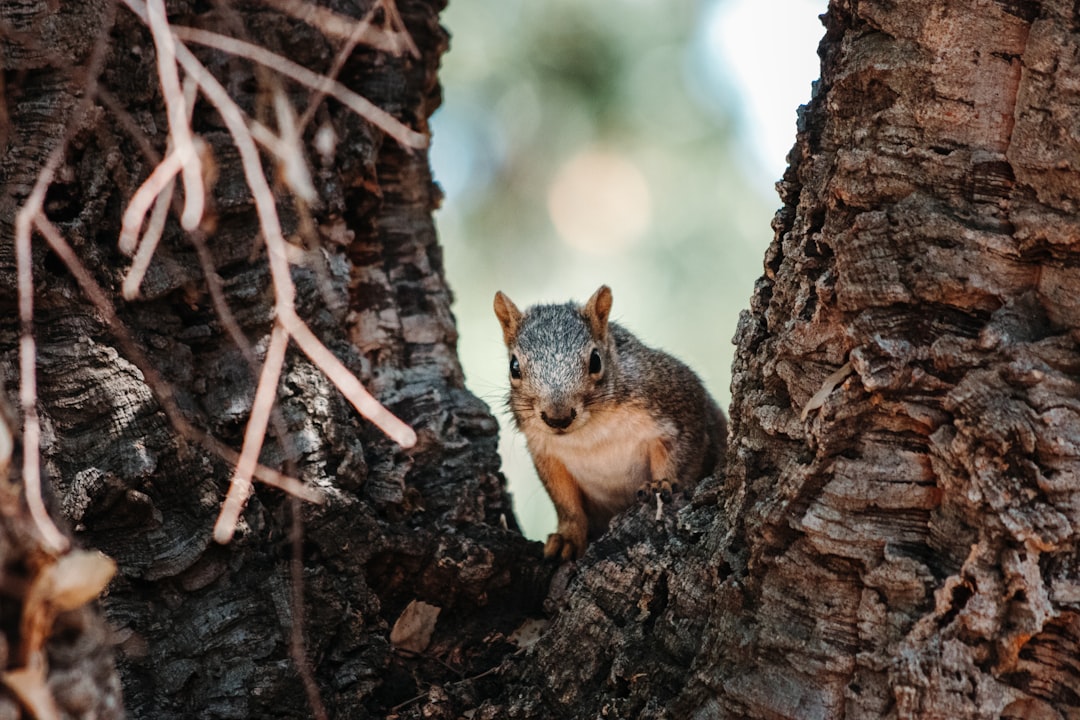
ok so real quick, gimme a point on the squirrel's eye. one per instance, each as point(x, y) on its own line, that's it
point(594, 362)
point(515, 368)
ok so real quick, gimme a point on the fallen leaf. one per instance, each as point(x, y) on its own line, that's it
point(528, 632)
point(413, 629)
point(826, 389)
point(66, 584)
point(78, 578)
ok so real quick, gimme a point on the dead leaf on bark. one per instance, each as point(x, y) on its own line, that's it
point(63, 585)
point(528, 632)
point(827, 387)
point(72, 581)
point(413, 629)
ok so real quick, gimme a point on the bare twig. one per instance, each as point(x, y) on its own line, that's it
point(179, 128)
point(294, 166)
point(347, 383)
point(265, 392)
point(53, 539)
point(139, 264)
point(357, 103)
point(359, 32)
point(158, 181)
point(297, 646)
point(288, 322)
point(397, 25)
point(161, 389)
point(276, 248)
point(334, 25)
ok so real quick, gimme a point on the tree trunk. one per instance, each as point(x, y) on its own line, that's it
point(897, 532)
point(205, 630)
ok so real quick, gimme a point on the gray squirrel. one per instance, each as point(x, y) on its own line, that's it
point(606, 418)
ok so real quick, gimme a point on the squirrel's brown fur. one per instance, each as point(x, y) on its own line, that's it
point(603, 415)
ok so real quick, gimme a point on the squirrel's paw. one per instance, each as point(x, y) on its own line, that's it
point(562, 548)
point(651, 488)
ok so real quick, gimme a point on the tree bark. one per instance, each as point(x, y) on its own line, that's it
point(896, 531)
point(204, 630)
point(896, 535)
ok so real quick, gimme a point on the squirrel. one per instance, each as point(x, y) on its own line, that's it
point(606, 418)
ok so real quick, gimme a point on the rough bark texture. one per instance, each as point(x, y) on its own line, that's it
point(896, 533)
point(204, 630)
point(907, 547)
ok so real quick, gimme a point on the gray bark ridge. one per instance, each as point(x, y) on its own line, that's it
point(896, 534)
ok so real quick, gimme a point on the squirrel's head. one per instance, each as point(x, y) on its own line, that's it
point(560, 360)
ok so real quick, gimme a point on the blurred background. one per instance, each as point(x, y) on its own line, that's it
point(629, 142)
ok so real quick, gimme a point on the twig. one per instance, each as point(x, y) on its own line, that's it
point(332, 24)
point(161, 389)
point(265, 392)
point(297, 646)
point(179, 129)
point(276, 248)
point(160, 179)
point(393, 18)
point(294, 167)
point(357, 103)
point(357, 35)
point(288, 323)
point(154, 228)
point(53, 539)
point(347, 383)
point(139, 264)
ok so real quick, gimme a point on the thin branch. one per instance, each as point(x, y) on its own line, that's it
point(295, 171)
point(347, 383)
point(393, 18)
point(54, 540)
point(357, 35)
point(335, 25)
point(179, 128)
point(151, 188)
point(276, 248)
point(139, 264)
point(383, 120)
point(254, 434)
point(161, 389)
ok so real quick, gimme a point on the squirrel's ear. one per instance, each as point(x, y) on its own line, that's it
point(597, 309)
point(509, 317)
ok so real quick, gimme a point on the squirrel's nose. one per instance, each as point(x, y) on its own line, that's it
point(559, 423)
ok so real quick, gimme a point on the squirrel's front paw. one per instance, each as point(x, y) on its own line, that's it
point(561, 547)
point(651, 488)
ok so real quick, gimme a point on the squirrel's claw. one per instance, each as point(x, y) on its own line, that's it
point(561, 548)
point(650, 489)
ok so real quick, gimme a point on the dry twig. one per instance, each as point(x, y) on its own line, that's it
point(396, 40)
point(53, 539)
point(354, 101)
point(277, 249)
point(179, 127)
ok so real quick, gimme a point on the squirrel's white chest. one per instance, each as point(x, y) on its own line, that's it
point(608, 455)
